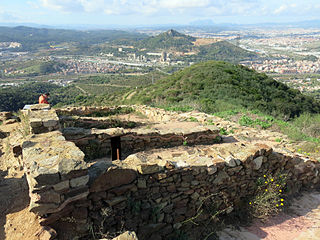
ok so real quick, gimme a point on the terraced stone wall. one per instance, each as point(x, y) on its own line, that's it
point(158, 195)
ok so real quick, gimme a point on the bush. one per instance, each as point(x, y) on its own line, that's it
point(269, 196)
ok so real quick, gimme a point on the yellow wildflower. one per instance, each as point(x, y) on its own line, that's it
point(281, 200)
point(281, 204)
point(266, 190)
point(277, 205)
point(264, 176)
point(265, 182)
point(250, 203)
point(280, 190)
point(271, 179)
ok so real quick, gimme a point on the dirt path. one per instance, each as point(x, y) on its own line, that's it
point(16, 222)
point(303, 223)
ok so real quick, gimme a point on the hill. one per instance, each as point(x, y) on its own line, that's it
point(167, 40)
point(223, 51)
point(32, 38)
point(215, 86)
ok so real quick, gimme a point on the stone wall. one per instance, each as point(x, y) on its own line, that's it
point(96, 111)
point(42, 119)
point(155, 193)
point(96, 143)
point(55, 171)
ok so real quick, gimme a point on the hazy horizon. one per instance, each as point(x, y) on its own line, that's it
point(156, 12)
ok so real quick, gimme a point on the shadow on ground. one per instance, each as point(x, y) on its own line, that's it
point(13, 198)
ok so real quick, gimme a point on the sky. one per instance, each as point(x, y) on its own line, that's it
point(153, 12)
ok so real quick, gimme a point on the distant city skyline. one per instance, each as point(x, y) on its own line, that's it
point(151, 12)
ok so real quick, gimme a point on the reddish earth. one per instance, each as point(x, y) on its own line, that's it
point(301, 223)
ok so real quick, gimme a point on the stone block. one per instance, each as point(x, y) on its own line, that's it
point(46, 197)
point(230, 161)
point(257, 163)
point(35, 123)
point(115, 201)
point(62, 186)
point(46, 179)
point(142, 183)
point(80, 181)
point(113, 178)
point(221, 177)
point(51, 123)
point(74, 192)
point(127, 236)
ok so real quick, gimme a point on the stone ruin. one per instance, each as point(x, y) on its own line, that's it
point(92, 174)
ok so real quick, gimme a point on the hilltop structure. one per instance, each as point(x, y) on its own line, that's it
point(93, 171)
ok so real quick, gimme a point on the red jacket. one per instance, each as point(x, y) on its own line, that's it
point(43, 99)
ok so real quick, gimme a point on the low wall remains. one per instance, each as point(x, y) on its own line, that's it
point(96, 143)
point(153, 192)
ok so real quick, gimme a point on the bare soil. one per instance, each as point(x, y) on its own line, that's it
point(16, 222)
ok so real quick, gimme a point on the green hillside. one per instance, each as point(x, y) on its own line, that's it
point(216, 86)
point(223, 51)
point(33, 38)
point(167, 40)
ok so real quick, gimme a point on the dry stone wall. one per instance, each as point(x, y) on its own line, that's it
point(96, 143)
point(55, 171)
point(153, 192)
point(156, 195)
point(42, 119)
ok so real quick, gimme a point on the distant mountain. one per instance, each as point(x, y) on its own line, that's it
point(32, 38)
point(167, 40)
point(219, 86)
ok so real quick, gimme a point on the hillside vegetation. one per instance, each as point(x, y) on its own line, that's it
point(223, 51)
point(167, 40)
point(215, 86)
point(33, 38)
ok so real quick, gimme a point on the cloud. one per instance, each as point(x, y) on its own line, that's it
point(63, 5)
point(173, 4)
point(281, 9)
point(6, 16)
point(191, 8)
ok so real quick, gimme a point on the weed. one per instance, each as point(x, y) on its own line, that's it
point(278, 140)
point(193, 119)
point(223, 131)
point(247, 121)
point(218, 139)
point(268, 199)
point(226, 114)
point(210, 122)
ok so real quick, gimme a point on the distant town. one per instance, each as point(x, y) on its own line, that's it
point(280, 52)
